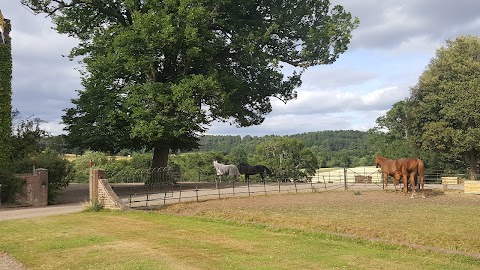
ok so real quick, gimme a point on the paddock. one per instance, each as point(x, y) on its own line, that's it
point(172, 188)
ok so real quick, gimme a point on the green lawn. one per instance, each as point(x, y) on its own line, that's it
point(149, 240)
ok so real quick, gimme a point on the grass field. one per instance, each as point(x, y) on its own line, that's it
point(73, 157)
point(325, 230)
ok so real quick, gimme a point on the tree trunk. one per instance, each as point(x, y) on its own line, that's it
point(159, 174)
point(160, 156)
point(473, 160)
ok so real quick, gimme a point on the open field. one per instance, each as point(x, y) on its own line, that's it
point(72, 157)
point(323, 230)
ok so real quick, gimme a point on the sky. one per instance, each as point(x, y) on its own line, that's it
point(390, 49)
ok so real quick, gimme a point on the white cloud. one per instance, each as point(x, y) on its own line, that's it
point(54, 128)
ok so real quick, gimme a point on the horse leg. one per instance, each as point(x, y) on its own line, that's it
point(405, 184)
point(396, 181)
point(422, 185)
point(412, 183)
point(385, 180)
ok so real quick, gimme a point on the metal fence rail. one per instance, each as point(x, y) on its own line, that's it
point(156, 187)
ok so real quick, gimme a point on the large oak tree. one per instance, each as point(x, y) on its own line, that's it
point(444, 105)
point(159, 72)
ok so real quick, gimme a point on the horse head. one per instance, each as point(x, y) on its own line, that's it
point(378, 161)
point(267, 170)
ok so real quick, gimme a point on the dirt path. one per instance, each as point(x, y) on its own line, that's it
point(9, 263)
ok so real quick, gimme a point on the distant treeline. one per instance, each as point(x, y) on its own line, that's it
point(332, 148)
point(335, 148)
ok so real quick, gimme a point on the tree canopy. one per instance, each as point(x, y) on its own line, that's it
point(444, 105)
point(159, 72)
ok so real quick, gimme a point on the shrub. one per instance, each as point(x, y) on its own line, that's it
point(81, 166)
point(58, 170)
point(10, 185)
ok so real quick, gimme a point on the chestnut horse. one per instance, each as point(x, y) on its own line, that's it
point(411, 168)
point(390, 167)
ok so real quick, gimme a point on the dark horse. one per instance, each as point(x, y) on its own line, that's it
point(251, 170)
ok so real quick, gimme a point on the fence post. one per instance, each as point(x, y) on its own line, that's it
point(264, 186)
point(180, 193)
point(196, 185)
point(345, 177)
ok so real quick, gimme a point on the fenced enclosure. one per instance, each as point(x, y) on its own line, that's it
point(156, 187)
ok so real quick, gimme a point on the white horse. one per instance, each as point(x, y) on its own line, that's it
point(224, 169)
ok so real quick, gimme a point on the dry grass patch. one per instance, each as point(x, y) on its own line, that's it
point(442, 220)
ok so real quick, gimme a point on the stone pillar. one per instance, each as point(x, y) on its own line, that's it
point(40, 188)
point(95, 176)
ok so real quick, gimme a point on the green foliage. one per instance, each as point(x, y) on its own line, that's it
point(55, 143)
point(26, 136)
point(224, 144)
point(141, 161)
point(23, 142)
point(329, 147)
point(444, 103)
point(59, 170)
point(286, 157)
point(5, 96)
point(10, 185)
point(94, 206)
point(396, 121)
point(81, 166)
point(198, 166)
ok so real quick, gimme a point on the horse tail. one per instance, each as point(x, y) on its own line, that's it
point(421, 169)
